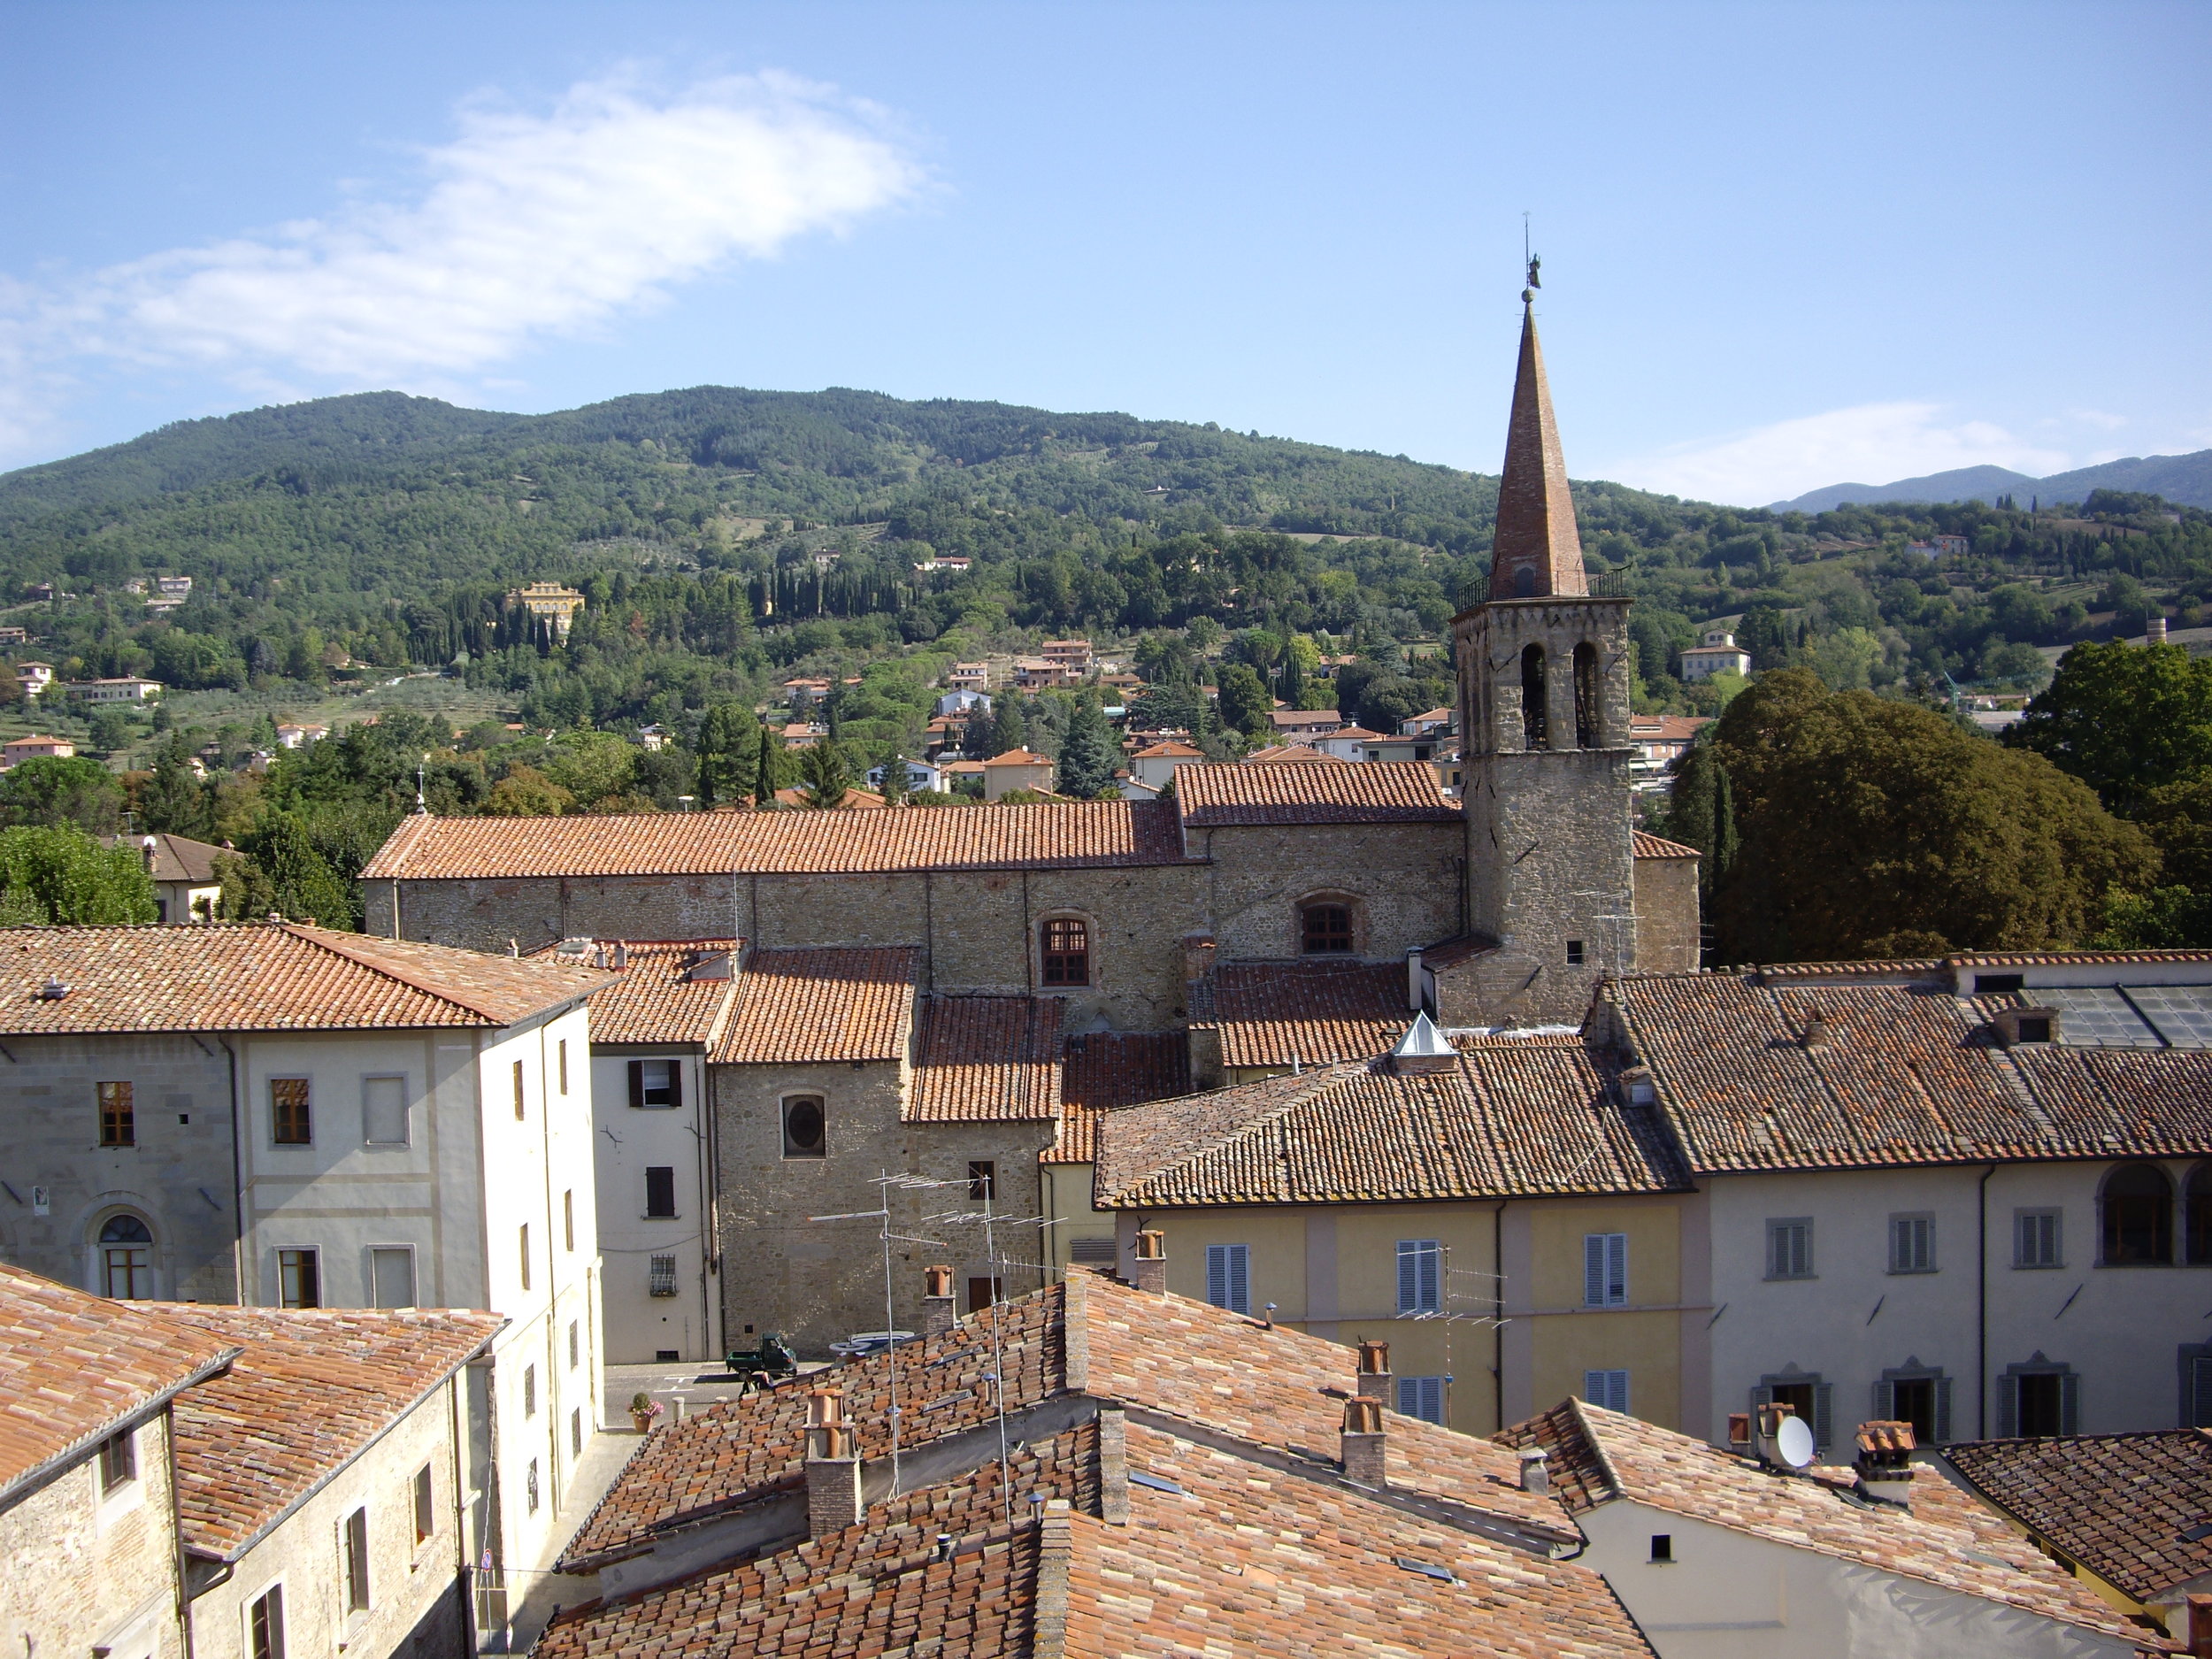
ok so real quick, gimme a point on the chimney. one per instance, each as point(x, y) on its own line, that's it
point(1740, 1432)
point(621, 957)
point(2155, 634)
point(832, 1465)
point(1152, 1261)
point(1363, 1441)
point(1884, 1462)
point(937, 1310)
point(1374, 1371)
point(1198, 955)
point(2201, 1624)
point(1535, 1469)
point(146, 850)
point(1815, 1031)
point(1766, 1426)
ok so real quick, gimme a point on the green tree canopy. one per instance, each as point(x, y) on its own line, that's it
point(1876, 828)
point(2125, 719)
point(282, 873)
point(823, 775)
point(1245, 704)
point(60, 874)
point(1009, 728)
point(172, 799)
point(50, 791)
point(1088, 754)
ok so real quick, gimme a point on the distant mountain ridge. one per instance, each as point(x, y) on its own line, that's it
point(2184, 480)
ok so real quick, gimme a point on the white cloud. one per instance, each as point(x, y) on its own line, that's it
point(530, 225)
point(1872, 443)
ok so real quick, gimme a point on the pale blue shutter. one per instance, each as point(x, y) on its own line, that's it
point(1229, 1277)
point(1409, 1277)
point(1420, 1275)
point(1431, 1277)
point(1217, 1275)
point(1604, 1270)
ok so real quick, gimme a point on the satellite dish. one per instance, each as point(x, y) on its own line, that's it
point(1794, 1441)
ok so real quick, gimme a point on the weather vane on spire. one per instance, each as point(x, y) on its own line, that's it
point(1535, 265)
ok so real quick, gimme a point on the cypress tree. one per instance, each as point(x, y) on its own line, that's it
point(822, 769)
point(765, 768)
point(1087, 754)
point(1008, 730)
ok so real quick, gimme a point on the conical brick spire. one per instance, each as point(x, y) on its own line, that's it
point(1537, 549)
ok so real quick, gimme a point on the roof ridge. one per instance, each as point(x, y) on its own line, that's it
point(1577, 1408)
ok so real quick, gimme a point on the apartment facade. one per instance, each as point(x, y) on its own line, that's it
point(279, 1117)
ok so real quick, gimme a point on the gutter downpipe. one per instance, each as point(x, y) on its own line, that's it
point(1981, 1307)
point(1497, 1304)
point(237, 1178)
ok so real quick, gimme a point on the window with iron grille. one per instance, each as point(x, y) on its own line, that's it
point(2037, 1239)
point(1421, 1397)
point(118, 1124)
point(1067, 952)
point(1229, 1277)
point(1790, 1248)
point(1912, 1244)
point(291, 1122)
point(1325, 930)
point(1420, 1276)
point(663, 1276)
point(1608, 1389)
point(1605, 1269)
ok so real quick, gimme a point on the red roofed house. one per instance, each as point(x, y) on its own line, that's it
point(277, 1115)
point(36, 746)
point(1017, 769)
point(221, 1480)
point(1156, 764)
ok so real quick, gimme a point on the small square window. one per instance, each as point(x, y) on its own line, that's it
point(1325, 930)
point(982, 1179)
point(1662, 1547)
point(1421, 1397)
point(656, 1085)
point(291, 1122)
point(2037, 1239)
point(1067, 952)
point(1790, 1248)
point(118, 1461)
point(1574, 953)
point(1606, 1389)
point(663, 1280)
point(1912, 1244)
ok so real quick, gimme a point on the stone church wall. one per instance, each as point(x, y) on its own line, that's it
point(1667, 939)
point(1403, 880)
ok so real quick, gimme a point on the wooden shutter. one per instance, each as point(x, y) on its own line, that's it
point(637, 1086)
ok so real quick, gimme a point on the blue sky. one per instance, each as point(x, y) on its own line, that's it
point(1783, 245)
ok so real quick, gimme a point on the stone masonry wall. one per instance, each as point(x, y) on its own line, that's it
point(815, 1283)
point(82, 1567)
point(178, 1178)
point(1403, 880)
point(1667, 917)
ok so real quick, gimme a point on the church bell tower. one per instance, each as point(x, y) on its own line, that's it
point(1543, 718)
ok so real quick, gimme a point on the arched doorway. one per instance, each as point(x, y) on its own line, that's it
point(127, 1259)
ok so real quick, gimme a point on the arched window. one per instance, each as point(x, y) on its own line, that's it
point(2196, 1209)
point(1524, 582)
point(1325, 928)
point(127, 1259)
point(1066, 941)
point(1534, 730)
point(2139, 1217)
point(1585, 696)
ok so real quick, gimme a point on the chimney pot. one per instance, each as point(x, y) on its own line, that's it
point(1152, 1261)
point(832, 1465)
point(1362, 1441)
point(1884, 1464)
point(1816, 1030)
point(938, 1313)
point(1739, 1429)
point(1535, 1469)
point(1374, 1378)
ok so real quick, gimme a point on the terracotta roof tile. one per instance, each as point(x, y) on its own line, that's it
point(1654, 846)
point(176, 858)
point(985, 1059)
point(2119, 1504)
point(1103, 1071)
point(1515, 1115)
point(1947, 1538)
point(1238, 1558)
point(1366, 792)
point(311, 1390)
point(653, 997)
point(75, 1367)
point(834, 1003)
point(1276, 1013)
point(1060, 835)
point(1271, 1387)
point(285, 977)
point(1908, 1074)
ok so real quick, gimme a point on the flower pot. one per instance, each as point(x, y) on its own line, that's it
point(643, 1420)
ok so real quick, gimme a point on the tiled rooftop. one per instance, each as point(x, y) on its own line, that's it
point(1655, 846)
point(1047, 836)
point(987, 1058)
point(1947, 1538)
point(74, 1367)
point(311, 1389)
point(804, 1006)
point(1368, 792)
point(1745, 1091)
point(653, 997)
point(1271, 1387)
point(1103, 1071)
point(2122, 1505)
point(264, 976)
point(1276, 1013)
point(1514, 1117)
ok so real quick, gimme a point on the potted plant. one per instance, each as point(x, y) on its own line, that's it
point(643, 1410)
